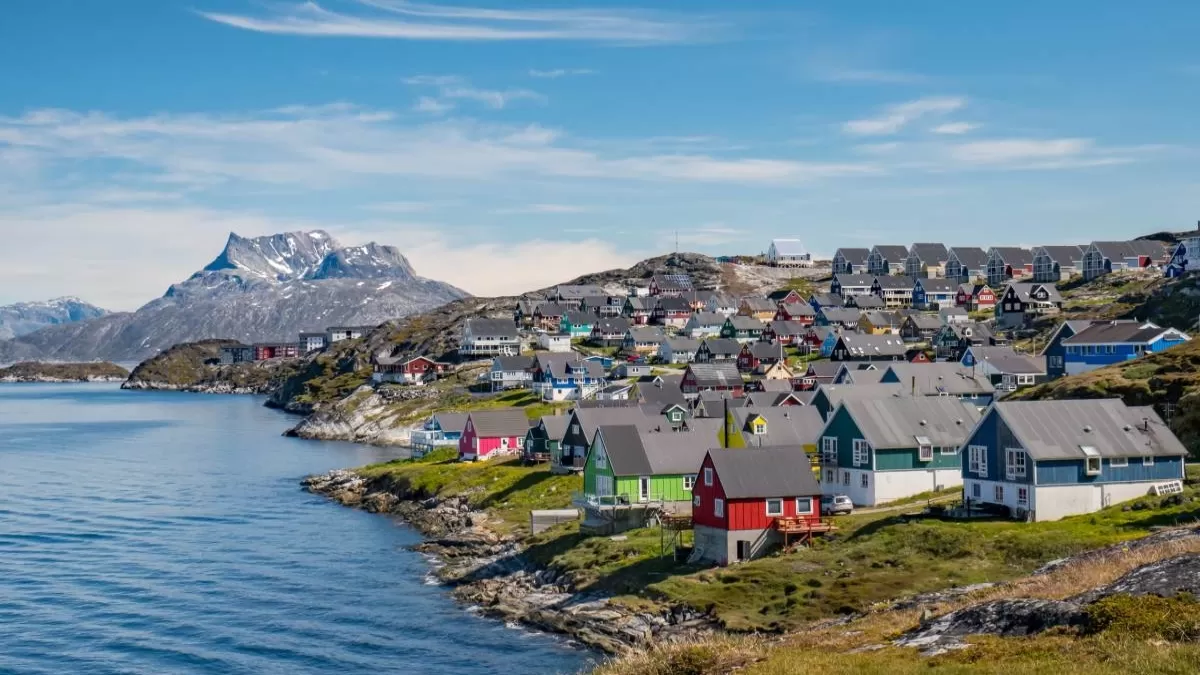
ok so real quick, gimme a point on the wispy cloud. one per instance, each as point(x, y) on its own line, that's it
point(1025, 150)
point(397, 19)
point(560, 72)
point(429, 104)
point(896, 117)
point(455, 87)
point(954, 128)
point(544, 208)
point(400, 207)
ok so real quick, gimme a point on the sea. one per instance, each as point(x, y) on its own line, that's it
point(158, 533)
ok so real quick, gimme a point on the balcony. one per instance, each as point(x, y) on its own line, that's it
point(612, 502)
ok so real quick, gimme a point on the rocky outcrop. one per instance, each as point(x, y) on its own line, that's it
point(195, 367)
point(488, 572)
point(1166, 578)
point(368, 415)
point(33, 371)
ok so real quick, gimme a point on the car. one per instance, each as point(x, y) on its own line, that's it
point(836, 505)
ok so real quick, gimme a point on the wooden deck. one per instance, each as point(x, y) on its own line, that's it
point(798, 531)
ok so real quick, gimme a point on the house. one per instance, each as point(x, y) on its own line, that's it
point(609, 331)
point(264, 351)
point(785, 296)
point(577, 323)
point(1020, 303)
point(966, 264)
point(548, 316)
point(704, 324)
point(574, 294)
point(786, 332)
point(879, 323)
point(312, 342)
point(236, 353)
point(1052, 264)
point(885, 260)
point(1008, 262)
point(860, 373)
point(335, 334)
point(1103, 257)
point(643, 340)
point(717, 350)
point(819, 300)
point(757, 356)
point(757, 308)
point(626, 370)
point(975, 297)
point(777, 371)
point(1045, 460)
point(525, 312)
point(584, 422)
point(698, 300)
point(603, 305)
point(671, 311)
point(742, 328)
point(920, 327)
point(828, 397)
point(941, 379)
point(860, 347)
point(796, 427)
point(1185, 257)
point(637, 310)
point(511, 372)
point(896, 291)
point(721, 376)
point(544, 440)
point(850, 261)
point(440, 430)
point(953, 314)
point(934, 293)
point(839, 317)
point(1055, 352)
point(713, 404)
point(851, 285)
point(554, 342)
point(878, 450)
point(400, 370)
point(1104, 344)
point(819, 373)
point(566, 377)
point(605, 361)
point(491, 433)
point(489, 337)
point(814, 339)
point(865, 302)
point(926, 261)
point(670, 284)
point(953, 339)
point(788, 253)
point(719, 303)
point(750, 501)
point(678, 349)
point(1005, 368)
point(615, 392)
point(799, 312)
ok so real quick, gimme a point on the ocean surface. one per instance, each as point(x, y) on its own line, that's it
point(166, 533)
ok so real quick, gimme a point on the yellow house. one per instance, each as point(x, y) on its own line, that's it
point(759, 308)
point(798, 426)
point(778, 371)
point(879, 323)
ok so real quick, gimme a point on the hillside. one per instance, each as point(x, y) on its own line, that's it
point(33, 371)
point(26, 317)
point(195, 367)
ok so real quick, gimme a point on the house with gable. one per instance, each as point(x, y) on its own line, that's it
point(926, 261)
point(511, 372)
point(609, 331)
point(584, 421)
point(566, 377)
point(878, 450)
point(796, 427)
point(1008, 262)
point(720, 303)
point(786, 332)
point(798, 312)
point(757, 308)
point(1185, 256)
point(1045, 460)
point(885, 260)
point(1021, 303)
point(953, 314)
point(966, 264)
point(577, 323)
point(548, 316)
point(1055, 352)
point(953, 339)
point(637, 310)
point(880, 323)
point(407, 370)
point(785, 296)
point(1052, 264)
point(483, 337)
point(839, 317)
point(526, 312)
point(1104, 257)
point(717, 350)
point(756, 357)
point(861, 347)
point(867, 302)
point(492, 433)
point(742, 328)
point(975, 297)
point(604, 306)
point(919, 327)
point(788, 253)
point(850, 261)
point(704, 324)
point(1005, 368)
point(678, 349)
point(574, 294)
point(828, 397)
point(930, 294)
point(820, 300)
point(818, 373)
point(671, 311)
point(1105, 344)
point(670, 284)
point(851, 285)
point(643, 340)
point(721, 376)
point(942, 379)
point(544, 440)
point(440, 430)
point(896, 291)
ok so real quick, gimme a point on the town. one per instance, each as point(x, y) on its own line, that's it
point(753, 421)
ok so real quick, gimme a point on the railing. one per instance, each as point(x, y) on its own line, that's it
point(615, 501)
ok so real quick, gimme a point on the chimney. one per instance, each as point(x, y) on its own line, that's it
point(914, 385)
point(1145, 424)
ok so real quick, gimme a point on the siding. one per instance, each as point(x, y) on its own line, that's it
point(591, 471)
point(991, 433)
point(907, 459)
point(703, 515)
point(843, 428)
point(1071, 471)
point(751, 514)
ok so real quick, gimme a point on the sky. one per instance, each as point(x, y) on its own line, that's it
point(505, 146)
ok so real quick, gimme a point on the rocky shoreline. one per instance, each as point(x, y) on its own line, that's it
point(487, 571)
point(207, 388)
point(49, 379)
point(62, 373)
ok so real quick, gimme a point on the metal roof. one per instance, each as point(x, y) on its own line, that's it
point(740, 322)
point(451, 421)
point(748, 473)
point(1060, 429)
point(722, 346)
point(854, 280)
point(1008, 361)
point(555, 426)
point(492, 327)
point(929, 252)
point(716, 374)
point(789, 247)
point(931, 379)
point(1070, 254)
point(888, 423)
point(1130, 332)
point(891, 253)
point(1013, 255)
point(499, 423)
point(856, 256)
point(794, 426)
point(938, 285)
point(970, 257)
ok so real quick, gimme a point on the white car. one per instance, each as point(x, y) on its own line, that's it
point(836, 505)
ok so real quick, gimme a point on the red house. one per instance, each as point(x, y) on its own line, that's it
point(275, 350)
point(800, 312)
point(746, 501)
point(975, 297)
point(756, 355)
point(488, 433)
point(786, 296)
point(717, 376)
point(411, 371)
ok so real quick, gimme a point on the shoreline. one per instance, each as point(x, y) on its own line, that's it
point(46, 379)
point(487, 571)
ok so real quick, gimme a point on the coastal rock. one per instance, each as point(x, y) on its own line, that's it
point(1166, 578)
point(1008, 618)
point(1164, 537)
point(365, 416)
point(33, 371)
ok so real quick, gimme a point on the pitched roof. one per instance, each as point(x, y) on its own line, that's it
point(1013, 255)
point(865, 376)
point(827, 299)
point(775, 386)
point(716, 374)
point(876, 318)
point(708, 319)
point(791, 425)
point(646, 333)
point(634, 451)
point(578, 292)
point(763, 349)
point(740, 322)
point(929, 252)
point(924, 321)
point(973, 330)
point(673, 282)
point(1130, 332)
point(748, 473)
point(845, 315)
point(837, 393)
point(1008, 361)
point(590, 419)
point(799, 309)
point(938, 285)
point(944, 312)
point(1147, 247)
point(854, 280)
point(931, 379)
point(509, 364)
point(551, 309)
point(789, 247)
point(900, 422)
point(722, 346)
point(866, 302)
point(580, 318)
point(856, 256)
point(610, 325)
point(889, 282)
point(790, 328)
point(451, 421)
point(662, 395)
point(555, 425)
point(499, 423)
point(971, 257)
point(1060, 429)
point(1069, 254)
point(504, 328)
point(1025, 290)
point(891, 253)
point(759, 305)
point(669, 303)
point(823, 369)
point(639, 304)
point(682, 344)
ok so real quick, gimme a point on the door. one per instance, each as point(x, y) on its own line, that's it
point(743, 550)
point(644, 488)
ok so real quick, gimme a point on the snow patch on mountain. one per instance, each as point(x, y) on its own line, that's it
point(26, 317)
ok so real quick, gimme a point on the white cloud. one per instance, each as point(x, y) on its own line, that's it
point(560, 72)
point(396, 19)
point(1020, 150)
point(429, 104)
point(896, 117)
point(954, 128)
point(454, 87)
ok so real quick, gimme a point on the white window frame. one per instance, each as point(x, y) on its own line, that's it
point(1023, 495)
point(1026, 379)
point(689, 482)
point(1118, 462)
point(864, 480)
point(846, 478)
point(1088, 466)
point(804, 512)
point(976, 491)
point(601, 459)
point(830, 476)
point(924, 450)
point(998, 493)
point(862, 452)
point(1147, 461)
point(829, 448)
point(696, 501)
point(767, 507)
point(977, 459)
point(1016, 463)
point(719, 507)
point(708, 476)
point(948, 450)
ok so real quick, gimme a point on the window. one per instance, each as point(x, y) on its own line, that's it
point(976, 491)
point(1147, 461)
point(760, 428)
point(866, 480)
point(861, 452)
point(999, 494)
point(1025, 379)
point(1022, 495)
point(1014, 464)
point(719, 508)
point(829, 476)
point(708, 476)
point(924, 449)
point(845, 478)
point(689, 482)
point(1056, 361)
point(774, 507)
point(1093, 466)
point(1118, 462)
point(575, 428)
point(977, 459)
point(947, 450)
point(829, 448)
point(696, 501)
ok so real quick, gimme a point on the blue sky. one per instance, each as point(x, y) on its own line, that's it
point(506, 146)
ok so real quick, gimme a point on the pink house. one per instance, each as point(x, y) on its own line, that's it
point(489, 433)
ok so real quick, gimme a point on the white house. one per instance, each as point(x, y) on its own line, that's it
point(553, 342)
point(788, 253)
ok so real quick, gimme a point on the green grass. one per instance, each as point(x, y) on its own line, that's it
point(531, 403)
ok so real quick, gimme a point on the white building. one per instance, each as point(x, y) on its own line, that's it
point(788, 253)
point(553, 342)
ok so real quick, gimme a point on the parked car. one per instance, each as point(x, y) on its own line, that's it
point(836, 505)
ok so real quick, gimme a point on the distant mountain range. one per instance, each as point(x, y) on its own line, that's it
point(257, 289)
point(26, 317)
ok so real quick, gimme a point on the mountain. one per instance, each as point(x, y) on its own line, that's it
point(26, 317)
point(257, 289)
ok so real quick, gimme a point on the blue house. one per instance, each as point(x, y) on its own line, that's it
point(1103, 344)
point(1045, 460)
point(605, 362)
point(1055, 352)
point(829, 343)
point(577, 323)
point(442, 429)
point(566, 377)
point(934, 293)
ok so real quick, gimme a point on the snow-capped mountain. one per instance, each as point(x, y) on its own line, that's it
point(257, 289)
point(26, 317)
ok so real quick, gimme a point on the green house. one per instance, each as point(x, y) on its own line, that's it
point(631, 473)
point(577, 323)
point(877, 450)
point(543, 441)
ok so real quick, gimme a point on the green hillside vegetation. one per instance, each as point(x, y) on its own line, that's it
point(197, 365)
point(64, 371)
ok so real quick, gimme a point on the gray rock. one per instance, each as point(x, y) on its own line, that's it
point(1165, 578)
point(26, 317)
point(1007, 618)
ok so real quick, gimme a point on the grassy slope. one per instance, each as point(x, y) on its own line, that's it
point(195, 364)
point(64, 371)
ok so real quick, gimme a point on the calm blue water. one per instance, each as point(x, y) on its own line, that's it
point(166, 533)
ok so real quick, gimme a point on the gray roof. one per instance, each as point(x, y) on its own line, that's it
point(555, 425)
point(857, 256)
point(888, 282)
point(823, 369)
point(1008, 361)
point(845, 315)
point(639, 303)
point(579, 317)
point(826, 299)
point(865, 376)
point(578, 292)
point(670, 303)
point(837, 393)
point(716, 374)
point(552, 309)
point(789, 247)
point(557, 364)
point(451, 421)
point(499, 423)
point(794, 426)
point(944, 312)
point(1114, 250)
point(1013, 255)
point(661, 396)
point(708, 319)
point(1147, 247)
point(611, 325)
point(1024, 290)
point(931, 379)
point(648, 452)
point(854, 280)
point(891, 253)
point(928, 252)
point(491, 327)
point(740, 322)
point(1117, 331)
point(510, 364)
point(971, 257)
point(791, 328)
point(925, 321)
point(748, 473)
point(1069, 255)
point(899, 422)
point(939, 285)
point(723, 346)
point(799, 309)
point(591, 419)
point(877, 318)
point(759, 304)
point(867, 302)
point(766, 350)
point(972, 331)
point(646, 333)
point(682, 345)
point(1059, 429)
point(623, 445)
point(821, 332)
point(775, 386)
point(673, 282)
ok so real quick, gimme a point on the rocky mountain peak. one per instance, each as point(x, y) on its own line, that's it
point(285, 256)
point(371, 261)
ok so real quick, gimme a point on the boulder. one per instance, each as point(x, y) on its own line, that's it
point(1166, 578)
